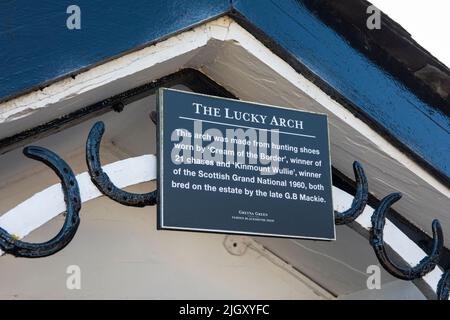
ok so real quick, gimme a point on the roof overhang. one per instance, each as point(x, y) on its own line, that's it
point(231, 56)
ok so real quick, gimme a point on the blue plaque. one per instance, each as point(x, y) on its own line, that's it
point(231, 166)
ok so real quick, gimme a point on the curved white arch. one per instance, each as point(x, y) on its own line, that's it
point(47, 204)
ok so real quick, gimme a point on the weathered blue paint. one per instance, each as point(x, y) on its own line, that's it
point(101, 179)
point(420, 127)
point(37, 48)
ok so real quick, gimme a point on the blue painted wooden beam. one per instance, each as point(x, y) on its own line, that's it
point(36, 48)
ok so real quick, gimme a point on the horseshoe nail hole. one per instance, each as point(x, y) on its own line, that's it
point(97, 173)
point(75, 199)
point(66, 170)
point(92, 158)
point(125, 198)
point(72, 183)
point(109, 189)
point(234, 244)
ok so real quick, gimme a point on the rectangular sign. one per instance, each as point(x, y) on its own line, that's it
point(238, 167)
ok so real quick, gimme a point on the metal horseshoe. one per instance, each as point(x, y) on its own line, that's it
point(443, 287)
point(426, 265)
point(101, 179)
point(18, 248)
point(360, 200)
